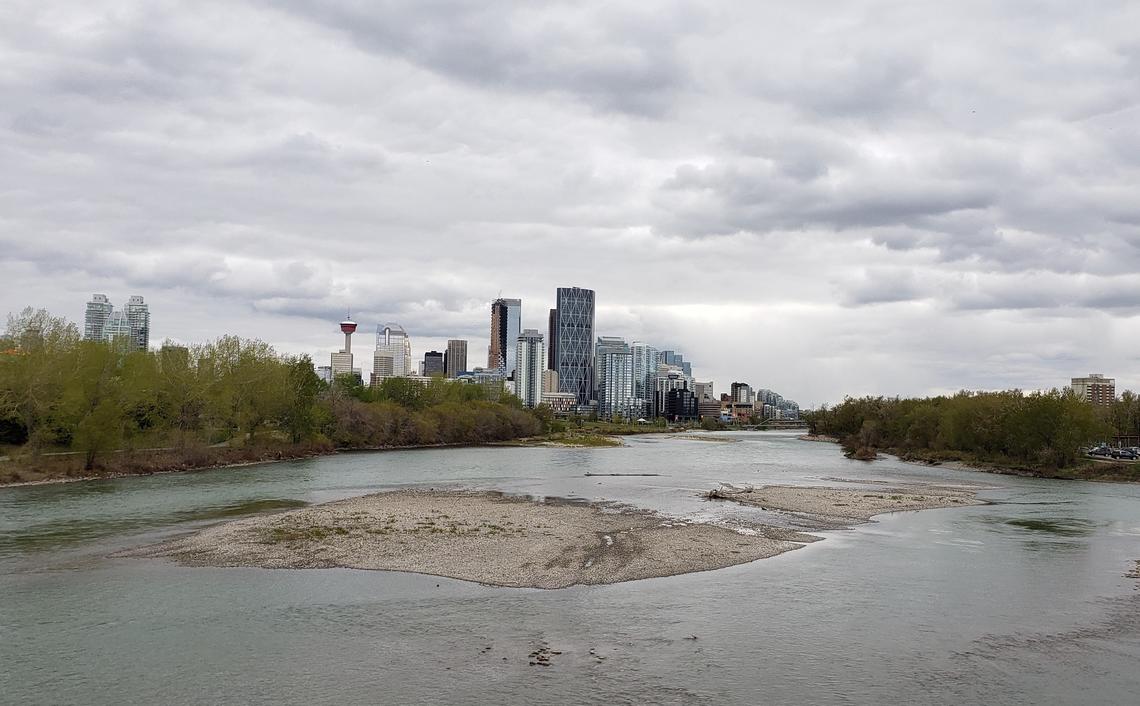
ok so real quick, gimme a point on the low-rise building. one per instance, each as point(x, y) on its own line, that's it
point(561, 403)
point(680, 405)
point(708, 409)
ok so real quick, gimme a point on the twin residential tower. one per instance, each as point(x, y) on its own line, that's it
point(129, 325)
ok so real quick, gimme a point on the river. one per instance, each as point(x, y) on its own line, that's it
point(1022, 601)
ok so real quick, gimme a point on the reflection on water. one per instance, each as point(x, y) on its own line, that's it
point(1022, 601)
point(61, 532)
point(1062, 527)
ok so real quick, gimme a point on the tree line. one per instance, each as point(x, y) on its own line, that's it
point(1037, 430)
point(59, 392)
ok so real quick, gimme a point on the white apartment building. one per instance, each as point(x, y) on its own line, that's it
point(530, 362)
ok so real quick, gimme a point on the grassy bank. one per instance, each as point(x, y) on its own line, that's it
point(584, 439)
point(1039, 434)
point(1084, 469)
point(65, 467)
point(589, 434)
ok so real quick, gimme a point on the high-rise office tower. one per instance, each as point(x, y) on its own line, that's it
point(433, 364)
point(99, 309)
point(455, 358)
point(341, 362)
point(575, 341)
point(614, 375)
point(138, 317)
point(644, 377)
point(529, 364)
point(506, 323)
point(392, 341)
point(552, 342)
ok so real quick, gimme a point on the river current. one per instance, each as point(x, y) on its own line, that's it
point(1021, 601)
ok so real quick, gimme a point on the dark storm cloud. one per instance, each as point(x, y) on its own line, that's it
point(914, 196)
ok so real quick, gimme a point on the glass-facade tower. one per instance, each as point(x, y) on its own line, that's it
point(575, 342)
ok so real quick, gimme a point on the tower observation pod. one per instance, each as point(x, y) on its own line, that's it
point(348, 327)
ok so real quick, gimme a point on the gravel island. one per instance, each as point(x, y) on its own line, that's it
point(502, 540)
point(476, 536)
point(848, 505)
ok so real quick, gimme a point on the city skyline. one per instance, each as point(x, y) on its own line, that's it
point(840, 204)
point(100, 312)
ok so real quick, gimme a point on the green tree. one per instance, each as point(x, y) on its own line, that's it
point(33, 368)
point(303, 386)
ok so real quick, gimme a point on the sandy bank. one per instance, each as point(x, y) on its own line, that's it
point(819, 437)
point(566, 441)
point(848, 503)
point(481, 537)
point(707, 437)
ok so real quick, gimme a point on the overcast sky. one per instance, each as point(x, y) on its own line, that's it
point(820, 198)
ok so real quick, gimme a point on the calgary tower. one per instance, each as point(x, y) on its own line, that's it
point(342, 361)
point(348, 327)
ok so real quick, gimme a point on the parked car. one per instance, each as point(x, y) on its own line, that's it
point(1127, 454)
point(1100, 451)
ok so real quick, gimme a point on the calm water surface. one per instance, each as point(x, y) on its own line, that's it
point(1020, 602)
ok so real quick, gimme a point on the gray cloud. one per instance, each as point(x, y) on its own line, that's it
point(616, 58)
point(873, 198)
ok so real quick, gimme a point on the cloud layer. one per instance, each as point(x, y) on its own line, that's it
point(890, 197)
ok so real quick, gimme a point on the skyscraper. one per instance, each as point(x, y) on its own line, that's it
point(575, 341)
point(392, 341)
point(99, 309)
point(433, 363)
point(138, 317)
point(455, 358)
point(644, 377)
point(614, 376)
point(529, 364)
point(506, 323)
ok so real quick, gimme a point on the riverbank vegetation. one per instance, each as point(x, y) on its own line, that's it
point(1039, 433)
point(75, 408)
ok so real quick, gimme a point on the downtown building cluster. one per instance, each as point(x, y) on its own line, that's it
point(569, 367)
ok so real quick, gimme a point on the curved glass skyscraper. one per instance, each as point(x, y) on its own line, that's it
point(575, 342)
point(392, 344)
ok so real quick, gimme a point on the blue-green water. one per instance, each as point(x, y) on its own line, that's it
point(1022, 601)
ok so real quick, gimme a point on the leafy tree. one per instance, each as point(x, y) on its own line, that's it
point(33, 366)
